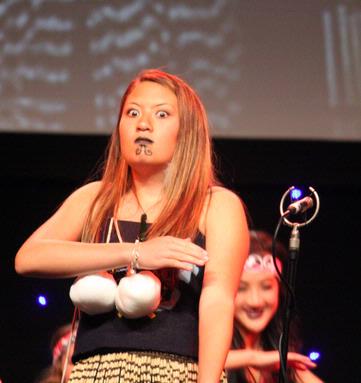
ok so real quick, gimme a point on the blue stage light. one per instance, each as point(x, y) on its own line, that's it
point(296, 194)
point(314, 355)
point(42, 300)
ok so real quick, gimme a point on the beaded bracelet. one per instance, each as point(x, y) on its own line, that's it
point(134, 264)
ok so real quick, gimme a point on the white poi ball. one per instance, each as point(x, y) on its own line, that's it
point(94, 294)
point(138, 294)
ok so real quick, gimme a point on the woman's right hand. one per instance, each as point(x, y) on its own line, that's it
point(170, 252)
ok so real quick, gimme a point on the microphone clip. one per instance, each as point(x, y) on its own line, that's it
point(300, 206)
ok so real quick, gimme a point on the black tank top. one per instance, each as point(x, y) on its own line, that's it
point(174, 329)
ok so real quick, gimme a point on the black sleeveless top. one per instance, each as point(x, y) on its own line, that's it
point(174, 329)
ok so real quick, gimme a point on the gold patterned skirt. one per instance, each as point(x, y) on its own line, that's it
point(136, 367)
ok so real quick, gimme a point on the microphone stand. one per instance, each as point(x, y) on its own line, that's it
point(290, 277)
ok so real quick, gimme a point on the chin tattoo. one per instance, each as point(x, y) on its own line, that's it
point(143, 149)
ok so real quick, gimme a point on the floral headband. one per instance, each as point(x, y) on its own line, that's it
point(257, 263)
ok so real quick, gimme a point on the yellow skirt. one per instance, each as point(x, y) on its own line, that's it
point(136, 367)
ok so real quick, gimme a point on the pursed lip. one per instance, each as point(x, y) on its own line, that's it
point(143, 140)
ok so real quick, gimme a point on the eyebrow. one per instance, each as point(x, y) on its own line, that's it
point(271, 280)
point(156, 105)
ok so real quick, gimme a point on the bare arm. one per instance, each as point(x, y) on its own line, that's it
point(54, 250)
point(238, 359)
point(227, 245)
point(266, 360)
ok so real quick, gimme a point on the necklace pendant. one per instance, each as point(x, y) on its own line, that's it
point(143, 228)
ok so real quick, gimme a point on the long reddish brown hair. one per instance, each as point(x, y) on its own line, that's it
point(189, 176)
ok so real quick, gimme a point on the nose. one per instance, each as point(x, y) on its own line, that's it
point(254, 298)
point(144, 123)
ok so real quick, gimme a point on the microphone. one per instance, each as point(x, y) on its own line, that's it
point(300, 206)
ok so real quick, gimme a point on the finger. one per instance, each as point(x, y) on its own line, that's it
point(303, 366)
point(180, 260)
point(300, 366)
point(302, 363)
point(182, 266)
point(189, 248)
point(293, 356)
point(191, 259)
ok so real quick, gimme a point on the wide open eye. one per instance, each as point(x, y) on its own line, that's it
point(162, 114)
point(133, 112)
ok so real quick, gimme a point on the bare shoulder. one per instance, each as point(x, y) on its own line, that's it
point(68, 221)
point(223, 207)
point(85, 194)
point(227, 237)
point(88, 190)
point(222, 191)
point(76, 206)
point(223, 198)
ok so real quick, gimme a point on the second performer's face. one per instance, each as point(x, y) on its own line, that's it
point(256, 301)
point(149, 126)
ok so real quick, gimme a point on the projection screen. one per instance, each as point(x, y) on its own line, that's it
point(264, 69)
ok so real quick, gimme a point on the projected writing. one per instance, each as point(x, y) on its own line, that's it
point(262, 70)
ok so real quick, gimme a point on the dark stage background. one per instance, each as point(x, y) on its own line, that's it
point(39, 171)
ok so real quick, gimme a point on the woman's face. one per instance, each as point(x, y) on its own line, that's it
point(149, 126)
point(256, 301)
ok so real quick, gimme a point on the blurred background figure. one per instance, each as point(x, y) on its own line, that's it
point(258, 321)
point(61, 347)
